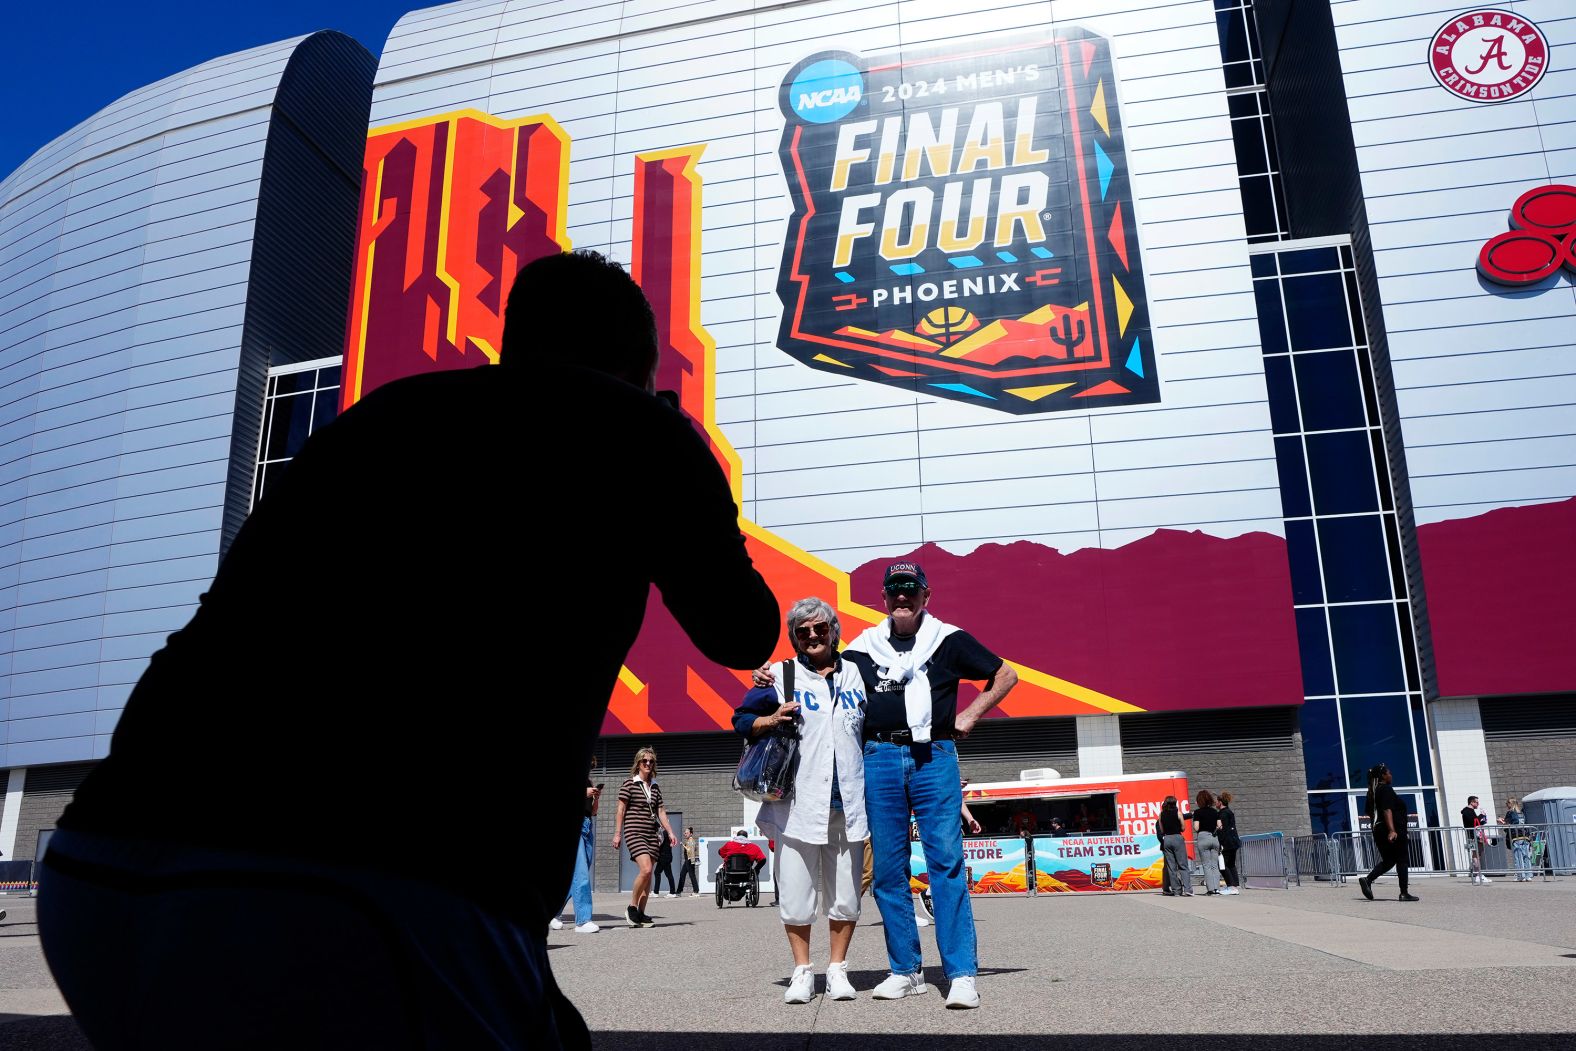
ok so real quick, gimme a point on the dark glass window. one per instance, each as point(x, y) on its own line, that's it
point(328, 377)
point(1283, 395)
point(1293, 477)
point(1328, 390)
point(1367, 651)
point(1355, 568)
point(1259, 216)
point(1316, 311)
point(1378, 730)
point(1313, 642)
point(1263, 264)
point(1329, 813)
point(1308, 260)
point(1233, 31)
point(1272, 325)
point(1303, 554)
point(1425, 775)
point(289, 424)
point(1321, 746)
point(326, 409)
point(293, 382)
point(1247, 134)
point(1341, 469)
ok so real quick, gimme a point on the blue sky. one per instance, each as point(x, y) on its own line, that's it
point(62, 61)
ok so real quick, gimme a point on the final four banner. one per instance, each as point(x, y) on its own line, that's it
point(963, 224)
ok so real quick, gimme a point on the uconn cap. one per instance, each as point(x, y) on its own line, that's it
point(898, 571)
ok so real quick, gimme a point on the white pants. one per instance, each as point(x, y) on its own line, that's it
point(819, 879)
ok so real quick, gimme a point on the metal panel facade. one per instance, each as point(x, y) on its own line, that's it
point(1484, 375)
point(125, 248)
point(855, 472)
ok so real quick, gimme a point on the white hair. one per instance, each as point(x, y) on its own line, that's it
point(813, 608)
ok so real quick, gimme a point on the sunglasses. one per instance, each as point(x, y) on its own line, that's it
point(907, 587)
point(820, 631)
point(645, 762)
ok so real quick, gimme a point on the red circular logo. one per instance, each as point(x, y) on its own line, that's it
point(1488, 55)
point(1542, 238)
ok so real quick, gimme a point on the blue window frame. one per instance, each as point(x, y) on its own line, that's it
point(1378, 730)
point(1322, 757)
point(1313, 645)
point(1303, 552)
point(1328, 390)
point(1341, 469)
point(1367, 651)
point(1356, 565)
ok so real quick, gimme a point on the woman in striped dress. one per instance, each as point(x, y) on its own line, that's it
point(640, 812)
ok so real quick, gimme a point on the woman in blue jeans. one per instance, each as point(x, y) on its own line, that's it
point(580, 889)
point(1520, 840)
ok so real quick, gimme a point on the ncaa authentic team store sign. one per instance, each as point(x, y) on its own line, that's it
point(963, 224)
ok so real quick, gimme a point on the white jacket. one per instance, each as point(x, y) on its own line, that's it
point(830, 724)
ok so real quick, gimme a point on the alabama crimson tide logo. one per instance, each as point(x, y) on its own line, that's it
point(1488, 56)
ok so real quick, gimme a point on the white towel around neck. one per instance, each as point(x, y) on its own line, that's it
point(909, 668)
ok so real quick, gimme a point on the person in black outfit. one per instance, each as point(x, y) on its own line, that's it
point(482, 554)
point(1230, 842)
point(1387, 814)
point(1178, 877)
point(664, 865)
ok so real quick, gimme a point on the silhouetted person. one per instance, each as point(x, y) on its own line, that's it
point(1387, 818)
point(306, 833)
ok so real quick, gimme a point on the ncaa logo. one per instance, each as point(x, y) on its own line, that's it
point(826, 91)
point(1488, 56)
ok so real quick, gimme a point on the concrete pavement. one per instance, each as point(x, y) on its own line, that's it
point(1304, 969)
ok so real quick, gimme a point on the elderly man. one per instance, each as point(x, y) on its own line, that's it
point(912, 663)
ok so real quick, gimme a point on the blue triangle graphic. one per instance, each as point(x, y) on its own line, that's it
point(1102, 162)
point(1135, 360)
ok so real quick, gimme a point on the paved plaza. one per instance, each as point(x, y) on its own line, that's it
point(1315, 967)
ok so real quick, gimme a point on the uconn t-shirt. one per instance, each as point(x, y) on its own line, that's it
point(960, 656)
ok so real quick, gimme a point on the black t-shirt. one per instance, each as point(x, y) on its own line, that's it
point(1170, 823)
point(1204, 818)
point(960, 656)
point(1385, 799)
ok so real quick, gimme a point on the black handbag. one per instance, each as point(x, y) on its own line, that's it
point(767, 767)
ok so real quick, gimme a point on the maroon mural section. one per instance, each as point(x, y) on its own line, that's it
point(1502, 599)
point(1177, 620)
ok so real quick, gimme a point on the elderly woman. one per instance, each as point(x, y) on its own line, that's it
point(820, 828)
point(641, 820)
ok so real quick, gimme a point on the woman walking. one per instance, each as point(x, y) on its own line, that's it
point(641, 817)
point(1387, 815)
point(1178, 877)
point(820, 829)
point(691, 859)
point(1230, 843)
point(1206, 823)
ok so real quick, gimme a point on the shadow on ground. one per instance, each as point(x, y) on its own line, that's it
point(630, 1041)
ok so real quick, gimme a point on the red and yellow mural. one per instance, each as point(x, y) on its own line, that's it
point(453, 205)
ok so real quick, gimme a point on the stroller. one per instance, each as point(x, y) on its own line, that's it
point(739, 878)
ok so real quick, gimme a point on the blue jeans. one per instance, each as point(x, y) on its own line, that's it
point(1521, 851)
point(580, 889)
point(922, 778)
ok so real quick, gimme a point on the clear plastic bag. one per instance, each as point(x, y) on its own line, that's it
point(767, 768)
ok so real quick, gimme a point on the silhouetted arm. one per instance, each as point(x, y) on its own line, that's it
point(704, 572)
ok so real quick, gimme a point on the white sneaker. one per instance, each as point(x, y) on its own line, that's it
point(587, 928)
point(556, 924)
point(963, 994)
point(838, 987)
point(667, 894)
point(921, 921)
point(897, 986)
point(801, 987)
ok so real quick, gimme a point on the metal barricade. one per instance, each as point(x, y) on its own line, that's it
point(1316, 858)
point(1492, 851)
point(1262, 861)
